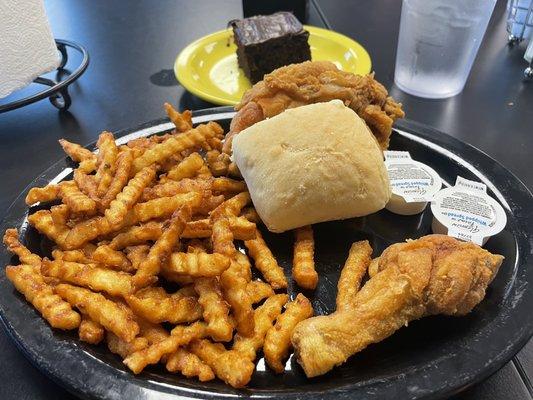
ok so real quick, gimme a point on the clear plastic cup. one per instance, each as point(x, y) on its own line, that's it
point(438, 43)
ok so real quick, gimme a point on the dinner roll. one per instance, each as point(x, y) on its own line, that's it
point(311, 164)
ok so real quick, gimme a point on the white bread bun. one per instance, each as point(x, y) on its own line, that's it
point(311, 164)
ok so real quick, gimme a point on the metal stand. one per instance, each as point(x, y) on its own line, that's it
point(57, 91)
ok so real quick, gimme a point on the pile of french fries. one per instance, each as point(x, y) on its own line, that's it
point(145, 257)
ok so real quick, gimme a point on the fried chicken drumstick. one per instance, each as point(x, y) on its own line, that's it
point(433, 275)
point(313, 82)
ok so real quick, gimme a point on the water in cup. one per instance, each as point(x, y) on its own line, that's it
point(438, 43)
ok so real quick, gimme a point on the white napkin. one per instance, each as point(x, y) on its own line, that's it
point(27, 47)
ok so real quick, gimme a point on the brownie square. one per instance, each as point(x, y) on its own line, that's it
point(267, 42)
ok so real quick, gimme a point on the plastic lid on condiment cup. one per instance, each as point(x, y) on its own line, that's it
point(413, 183)
point(465, 211)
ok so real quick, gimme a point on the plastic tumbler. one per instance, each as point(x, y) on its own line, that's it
point(438, 43)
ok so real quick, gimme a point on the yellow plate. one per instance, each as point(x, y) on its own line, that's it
point(208, 67)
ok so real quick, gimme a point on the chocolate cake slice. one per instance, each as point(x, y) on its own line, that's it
point(267, 42)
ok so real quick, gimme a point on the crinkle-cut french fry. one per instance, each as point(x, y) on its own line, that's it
point(218, 162)
point(258, 291)
point(109, 257)
point(231, 207)
point(200, 228)
point(216, 143)
point(170, 188)
point(189, 365)
point(85, 231)
point(228, 185)
point(251, 215)
point(42, 194)
point(122, 348)
point(120, 179)
point(187, 168)
point(242, 229)
point(175, 277)
point(87, 166)
point(107, 313)
point(137, 254)
point(229, 365)
point(71, 255)
point(177, 144)
point(156, 306)
point(164, 206)
point(204, 173)
point(12, 242)
point(106, 160)
point(86, 183)
point(42, 221)
point(125, 200)
point(373, 267)
point(31, 284)
point(90, 331)
point(234, 284)
point(162, 248)
point(303, 264)
point(233, 170)
point(215, 309)
point(182, 121)
point(76, 152)
point(352, 273)
point(278, 338)
point(209, 202)
point(180, 336)
point(222, 238)
point(60, 214)
point(88, 275)
point(153, 332)
point(265, 262)
point(197, 265)
point(245, 264)
point(137, 235)
point(75, 199)
point(264, 317)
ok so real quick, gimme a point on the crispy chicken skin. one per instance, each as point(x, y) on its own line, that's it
point(313, 82)
point(435, 274)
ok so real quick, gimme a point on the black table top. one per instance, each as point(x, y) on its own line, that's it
point(133, 47)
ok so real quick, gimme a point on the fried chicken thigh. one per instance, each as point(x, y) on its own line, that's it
point(433, 275)
point(313, 82)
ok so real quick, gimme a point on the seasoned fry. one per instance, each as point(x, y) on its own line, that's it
point(86, 183)
point(106, 160)
point(87, 166)
point(251, 215)
point(128, 197)
point(177, 144)
point(245, 264)
point(222, 238)
point(120, 179)
point(105, 255)
point(90, 331)
point(258, 291)
point(218, 162)
point(197, 265)
point(107, 313)
point(264, 317)
point(189, 365)
point(95, 278)
point(303, 265)
point(229, 365)
point(171, 188)
point(124, 349)
point(233, 170)
point(265, 262)
point(180, 336)
point(215, 309)
point(235, 284)
point(71, 255)
point(30, 283)
point(137, 235)
point(42, 221)
point(188, 168)
point(60, 214)
point(84, 231)
point(182, 121)
point(241, 228)
point(11, 240)
point(353, 272)
point(200, 228)
point(164, 207)
point(231, 207)
point(373, 267)
point(162, 247)
point(228, 185)
point(278, 338)
point(76, 152)
point(76, 201)
point(42, 194)
point(137, 254)
point(156, 305)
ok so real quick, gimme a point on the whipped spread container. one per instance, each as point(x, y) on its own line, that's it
point(413, 183)
point(465, 211)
